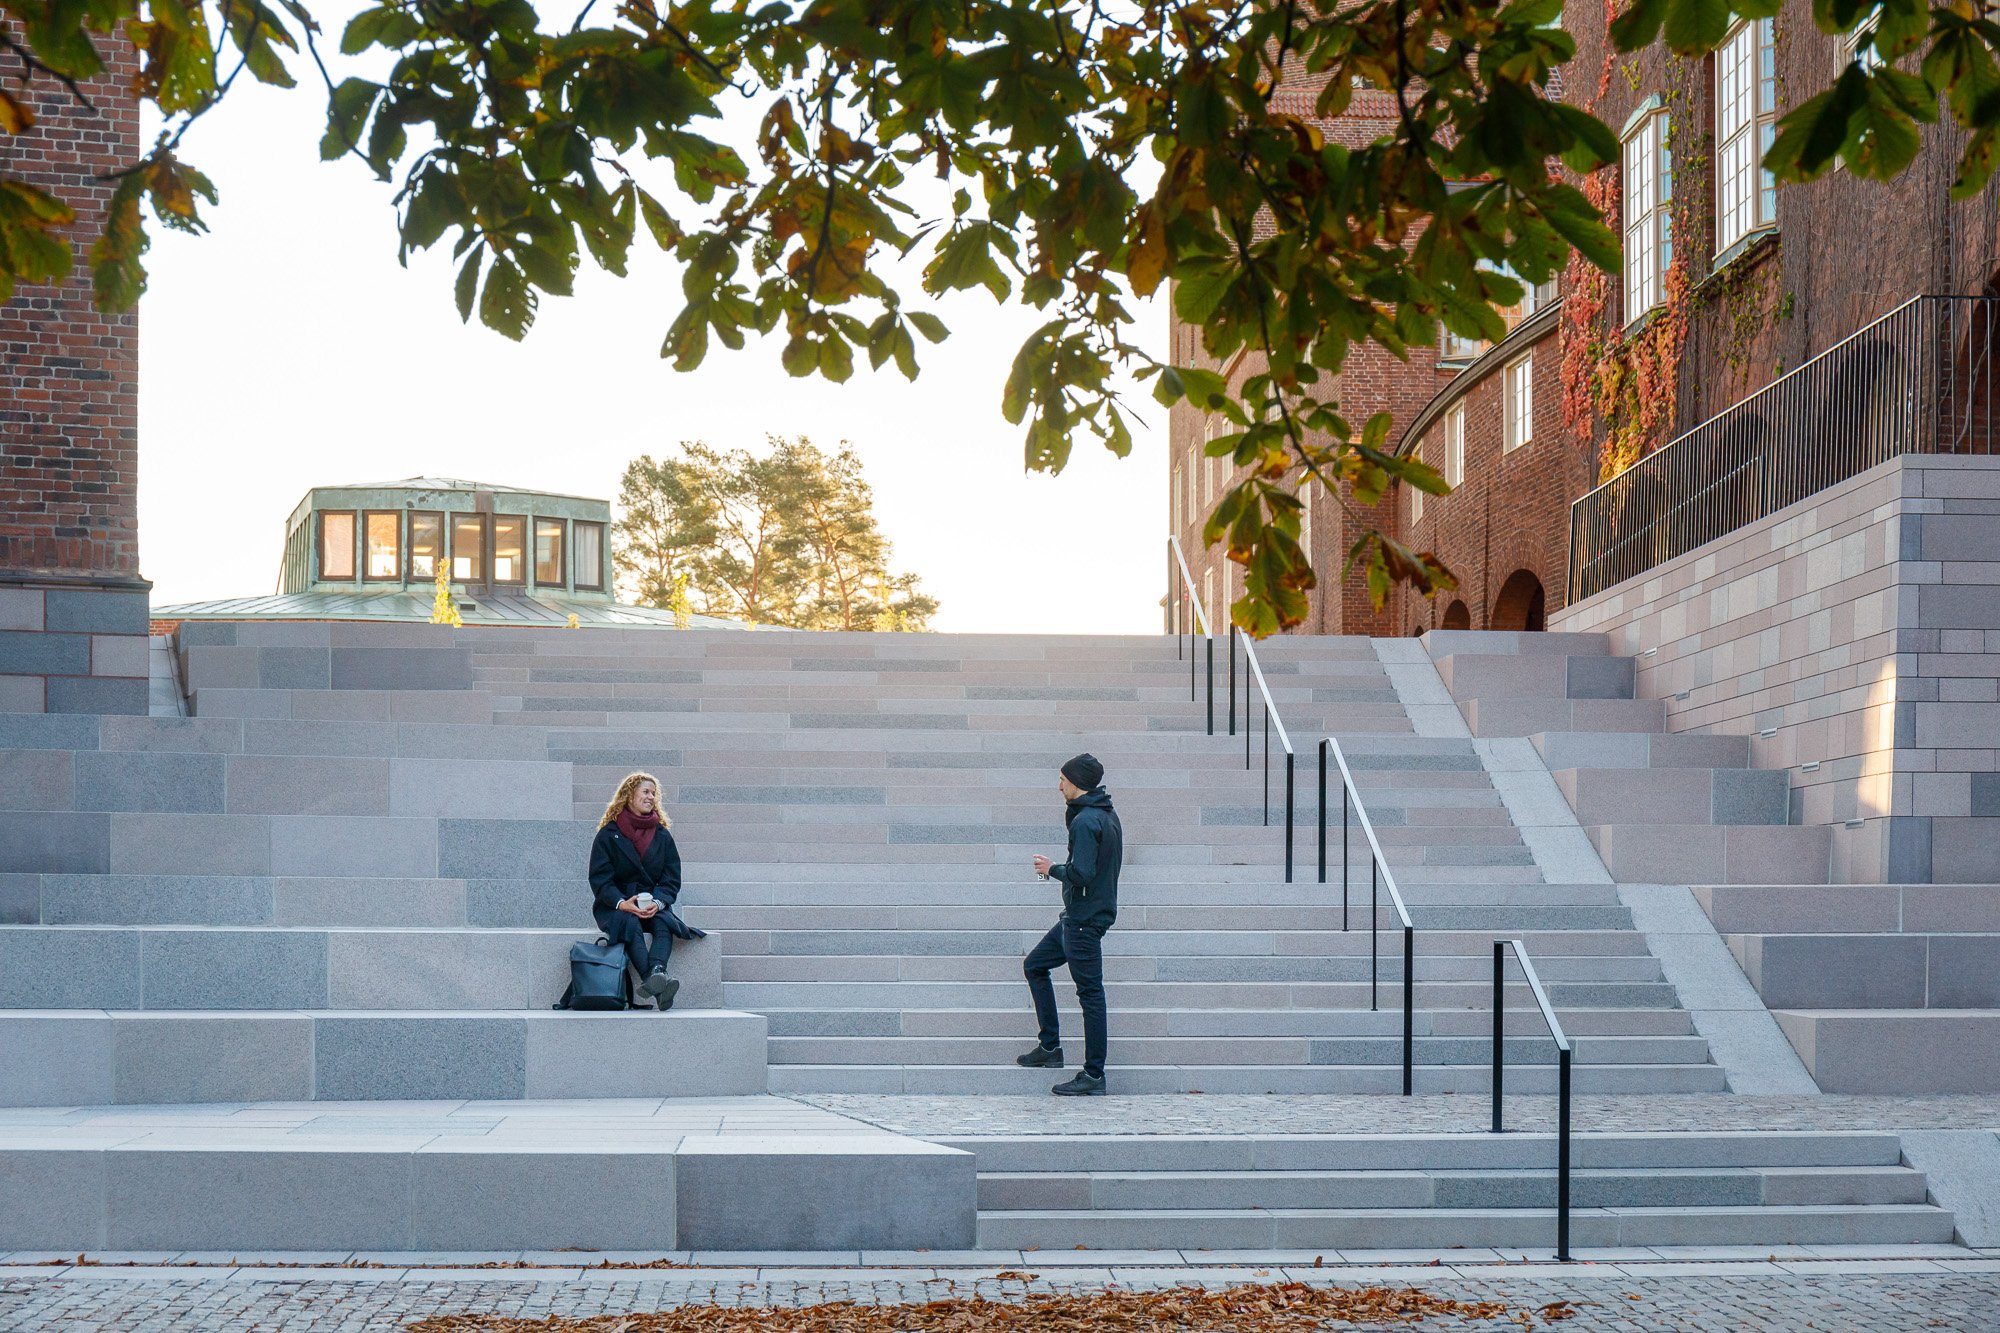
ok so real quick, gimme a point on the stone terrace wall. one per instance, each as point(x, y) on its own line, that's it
point(1855, 637)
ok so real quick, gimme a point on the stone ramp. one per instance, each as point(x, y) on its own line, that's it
point(720, 1173)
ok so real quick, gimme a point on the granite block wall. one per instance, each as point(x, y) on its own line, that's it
point(1855, 639)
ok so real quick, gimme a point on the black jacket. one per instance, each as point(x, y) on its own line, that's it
point(1096, 853)
point(617, 872)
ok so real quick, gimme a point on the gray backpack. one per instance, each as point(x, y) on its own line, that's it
point(596, 977)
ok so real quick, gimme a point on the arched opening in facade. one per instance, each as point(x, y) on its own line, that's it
point(1521, 604)
point(1456, 616)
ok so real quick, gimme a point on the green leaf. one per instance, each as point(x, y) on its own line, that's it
point(507, 303)
point(1695, 27)
point(467, 285)
point(929, 325)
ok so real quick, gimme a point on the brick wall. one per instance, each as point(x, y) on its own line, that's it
point(72, 602)
point(1844, 252)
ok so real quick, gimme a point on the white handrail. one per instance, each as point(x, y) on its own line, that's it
point(1270, 708)
point(1187, 582)
point(1368, 828)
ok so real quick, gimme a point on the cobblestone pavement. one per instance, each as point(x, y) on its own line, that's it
point(1759, 1299)
point(935, 1116)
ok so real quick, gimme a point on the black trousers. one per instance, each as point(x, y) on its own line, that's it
point(1081, 949)
point(647, 943)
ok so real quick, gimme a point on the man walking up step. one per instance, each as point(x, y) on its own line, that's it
point(1089, 881)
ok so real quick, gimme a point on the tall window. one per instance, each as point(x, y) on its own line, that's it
point(510, 548)
point(336, 544)
point(426, 545)
point(1306, 517)
point(589, 571)
point(549, 552)
point(1520, 390)
point(1454, 444)
point(1417, 496)
point(384, 561)
point(1649, 239)
point(1746, 116)
point(468, 548)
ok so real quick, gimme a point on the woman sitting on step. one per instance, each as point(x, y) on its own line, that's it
point(635, 876)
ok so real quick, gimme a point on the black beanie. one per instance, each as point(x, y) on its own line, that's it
point(1084, 772)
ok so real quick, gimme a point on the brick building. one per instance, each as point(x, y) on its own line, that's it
point(1727, 284)
point(73, 606)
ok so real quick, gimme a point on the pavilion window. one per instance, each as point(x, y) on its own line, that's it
point(384, 555)
point(426, 544)
point(336, 544)
point(510, 548)
point(468, 548)
point(589, 553)
point(549, 552)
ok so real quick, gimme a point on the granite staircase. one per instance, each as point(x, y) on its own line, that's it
point(1660, 808)
point(1435, 1191)
point(351, 874)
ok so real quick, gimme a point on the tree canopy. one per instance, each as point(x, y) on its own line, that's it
point(1084, 153)
point(783, 538)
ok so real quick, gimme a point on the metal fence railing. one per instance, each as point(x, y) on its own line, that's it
point(1563, 1055)
point(1919, 380)
point(1255, 672)
point(1197, 630)
point(1380, 876)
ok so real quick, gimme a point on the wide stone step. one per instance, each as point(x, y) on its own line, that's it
point(1442, 643)
point(1176, 968)
point(1525, 717)
point(1016, 1021)
point(1461, 1080)
point(584, 1177)
point(1590, 1187)
point(759, 996)
point(1443, 1228)
point(1899, 1052)
point(88, 1057)
point(256, 968)
point(1639, 749)
point(1676, 795)
point(1712, 853)
point(1235, 1050)
point(1884, 971)
point(1813, 909)
point(1488, 676)
point(1429, 1151)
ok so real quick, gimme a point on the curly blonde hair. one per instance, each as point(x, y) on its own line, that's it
point(623, 798)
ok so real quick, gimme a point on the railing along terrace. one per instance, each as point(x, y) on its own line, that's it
point(1183, 590)
point(1563, 1053)
point(1379, 877)
point(1919, 380)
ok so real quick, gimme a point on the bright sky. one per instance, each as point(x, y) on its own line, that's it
point(287, 349)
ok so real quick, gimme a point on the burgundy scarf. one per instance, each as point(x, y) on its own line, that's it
point(639, 828)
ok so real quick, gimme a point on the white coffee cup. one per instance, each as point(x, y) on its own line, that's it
point(643, 900)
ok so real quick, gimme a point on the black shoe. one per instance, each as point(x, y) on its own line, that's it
point(1042, 1057)
point(661, 987)
point(1083, 1085)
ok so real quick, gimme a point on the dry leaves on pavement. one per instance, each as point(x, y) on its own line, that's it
point(1259, 1308)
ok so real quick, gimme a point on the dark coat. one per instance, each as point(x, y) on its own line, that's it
point(1096, 854)
point(617, 872)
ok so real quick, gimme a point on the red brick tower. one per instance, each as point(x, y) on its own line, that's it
point(72, 603)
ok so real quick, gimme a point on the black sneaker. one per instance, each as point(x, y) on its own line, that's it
point(1042, 1057)
point(1083, 1085)
point(661, 987)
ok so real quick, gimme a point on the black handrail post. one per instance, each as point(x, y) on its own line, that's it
point(1211, 684)
point(1267, 766)
point(1374, 911)
point(1232, 684)
point(1344, 870)
point(1291, 771)
point(1322, 811)
point(1409, 1006)
point(1562, 1147)
point(1499, 1025)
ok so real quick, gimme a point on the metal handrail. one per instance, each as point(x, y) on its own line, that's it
point(1271, 719)
point(1563, 1053)
point(1379, 875)
point(1184, 586)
